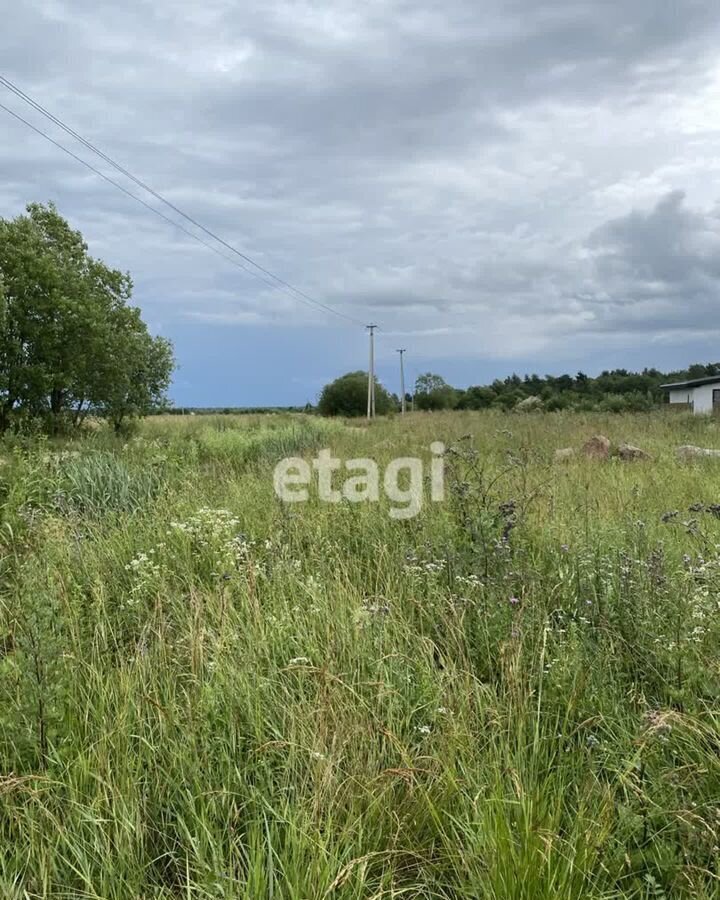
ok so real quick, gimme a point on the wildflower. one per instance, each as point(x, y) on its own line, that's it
point(143, 565)
point(423, 729)
point(207, 523)
point(471, 580)
point(419, 568)
point(376, 608)
point(659, 723)
point(299, 661)
point(514, 601)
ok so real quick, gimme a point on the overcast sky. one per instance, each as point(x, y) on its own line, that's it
point(508, 185)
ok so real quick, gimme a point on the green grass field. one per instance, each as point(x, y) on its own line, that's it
point(205, 693)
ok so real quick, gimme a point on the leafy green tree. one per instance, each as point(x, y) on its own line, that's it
point(433, 392)
point(140, 385)
point(477, 397)
point(69, 341)
point(347, 396)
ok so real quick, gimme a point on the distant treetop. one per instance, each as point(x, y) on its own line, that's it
point(347, 396)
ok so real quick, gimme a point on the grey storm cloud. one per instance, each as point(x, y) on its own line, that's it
point(665, 248)
point(659, 267)
point(490, 178)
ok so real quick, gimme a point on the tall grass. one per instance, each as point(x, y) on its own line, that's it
point(206, 694)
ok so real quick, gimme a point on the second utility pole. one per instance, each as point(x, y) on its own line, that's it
point(371, 374)
point(402, 382)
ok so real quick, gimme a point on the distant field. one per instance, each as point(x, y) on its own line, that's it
point(206, 693)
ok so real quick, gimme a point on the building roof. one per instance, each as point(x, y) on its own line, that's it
point(694, 382)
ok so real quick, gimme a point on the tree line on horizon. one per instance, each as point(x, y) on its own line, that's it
point(72, 345)
point(613, 390)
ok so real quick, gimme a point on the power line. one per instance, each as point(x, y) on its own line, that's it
point(277, 282)
point(132, 196)
point(125, 190)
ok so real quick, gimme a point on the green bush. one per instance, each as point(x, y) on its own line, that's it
point(347, 396)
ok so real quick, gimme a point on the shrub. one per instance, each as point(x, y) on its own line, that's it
point(476, 397)
point(529, 404)
point(347, 396)
point(556, 402)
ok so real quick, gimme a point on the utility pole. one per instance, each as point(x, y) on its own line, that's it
point(402, 382)
point(371, 374)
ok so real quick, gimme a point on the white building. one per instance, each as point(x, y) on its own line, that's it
point(702, 395)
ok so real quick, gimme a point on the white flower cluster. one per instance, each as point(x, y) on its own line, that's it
point(207, 524)
point(145, 569)
point(704, 601)
point(701, 602)
point(144, 563)
point(217, 529)
point(240, 548)
point(473, 581)
point(419, 568)
point(212, 530)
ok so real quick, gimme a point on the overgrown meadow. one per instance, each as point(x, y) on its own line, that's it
point(205, 693)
